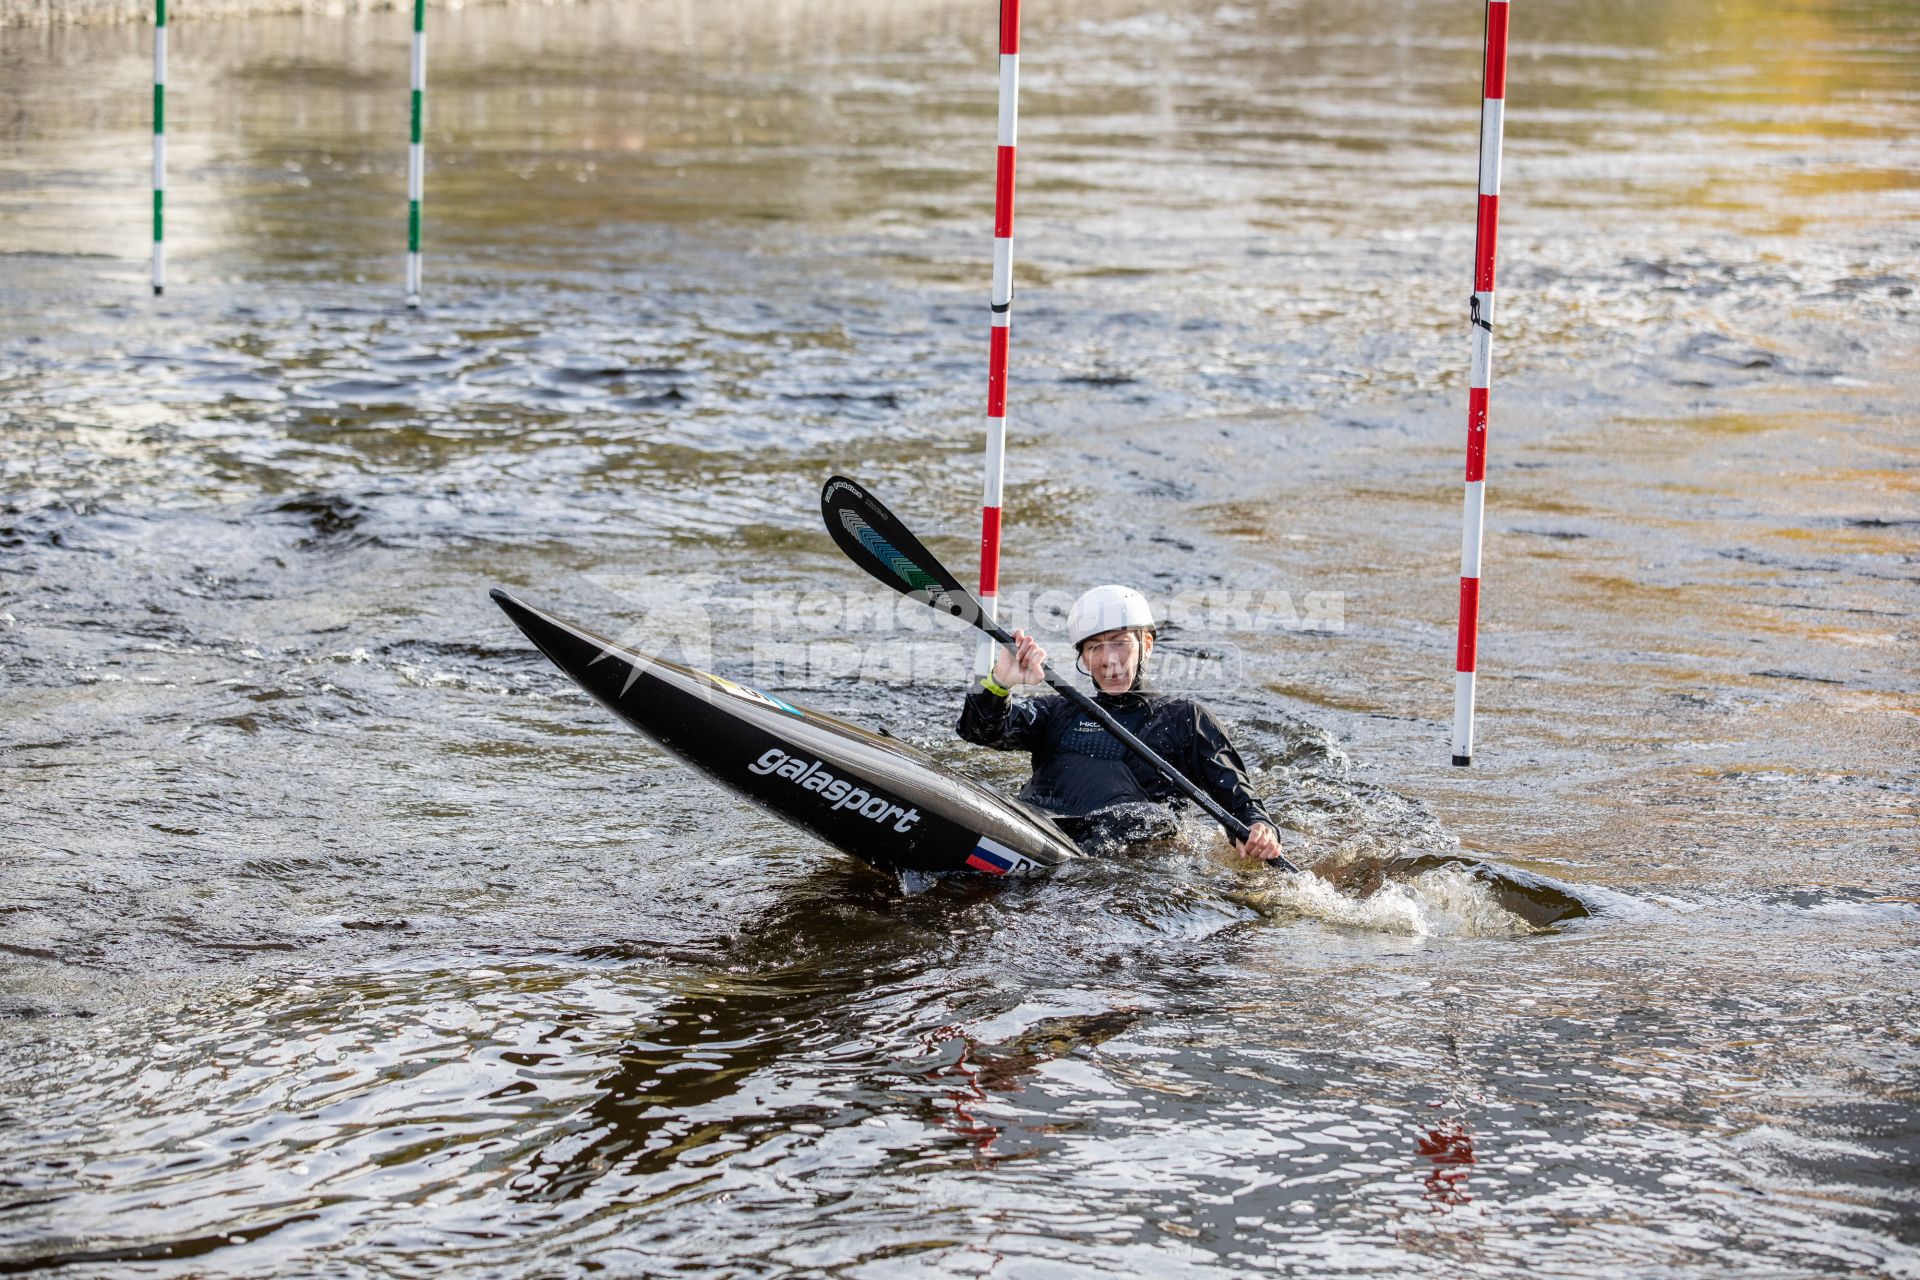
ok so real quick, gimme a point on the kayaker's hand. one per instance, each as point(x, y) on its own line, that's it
point(1263, 842)
point(1025, 665)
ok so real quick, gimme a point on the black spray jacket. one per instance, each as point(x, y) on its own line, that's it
point(1079, 768)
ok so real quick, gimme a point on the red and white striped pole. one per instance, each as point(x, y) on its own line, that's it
point(998, 335)
point(1493, 112)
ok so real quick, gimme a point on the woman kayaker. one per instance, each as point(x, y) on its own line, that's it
point(1082, 776)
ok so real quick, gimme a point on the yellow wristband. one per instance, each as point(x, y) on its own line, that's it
point(995, 689)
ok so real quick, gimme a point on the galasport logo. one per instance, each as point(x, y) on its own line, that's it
point(842, 794)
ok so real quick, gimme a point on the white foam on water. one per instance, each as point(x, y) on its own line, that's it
point(1442, 902)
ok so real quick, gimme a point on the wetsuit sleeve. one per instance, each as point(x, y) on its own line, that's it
point(990, 720)
point(1216, 765)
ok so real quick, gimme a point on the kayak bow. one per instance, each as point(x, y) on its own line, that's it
point(875, 797)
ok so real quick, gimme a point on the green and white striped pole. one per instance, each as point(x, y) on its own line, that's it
point(159, 145)
point(416, 151)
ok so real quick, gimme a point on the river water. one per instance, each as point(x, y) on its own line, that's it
point(340, 935)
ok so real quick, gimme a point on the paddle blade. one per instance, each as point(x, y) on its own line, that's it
point(874, 539)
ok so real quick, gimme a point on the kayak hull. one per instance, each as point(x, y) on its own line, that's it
point(884, 802)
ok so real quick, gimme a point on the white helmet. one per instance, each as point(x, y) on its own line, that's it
point(1109, 608)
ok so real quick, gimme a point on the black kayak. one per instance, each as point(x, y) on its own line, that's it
point(877, 798)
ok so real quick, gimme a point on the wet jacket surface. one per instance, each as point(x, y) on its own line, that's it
point(1080, 768)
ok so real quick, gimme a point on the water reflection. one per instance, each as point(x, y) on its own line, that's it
point(1449, 1146)
point(972, 1073)
point(656, 1111)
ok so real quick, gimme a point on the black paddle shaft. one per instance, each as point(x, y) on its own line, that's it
point(875, 539)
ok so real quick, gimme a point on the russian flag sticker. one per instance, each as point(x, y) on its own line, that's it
point(994, 858)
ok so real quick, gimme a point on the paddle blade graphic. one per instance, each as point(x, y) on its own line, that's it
point(874, 539)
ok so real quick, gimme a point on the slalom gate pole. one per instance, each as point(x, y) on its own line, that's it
point(159, 146)
point(416, 151)
point(1493, 110)
point(1002, 317)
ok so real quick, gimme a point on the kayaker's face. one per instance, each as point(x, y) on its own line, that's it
point(1114, 656)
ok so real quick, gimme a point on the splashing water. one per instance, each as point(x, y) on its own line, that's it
point(1443, 902)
